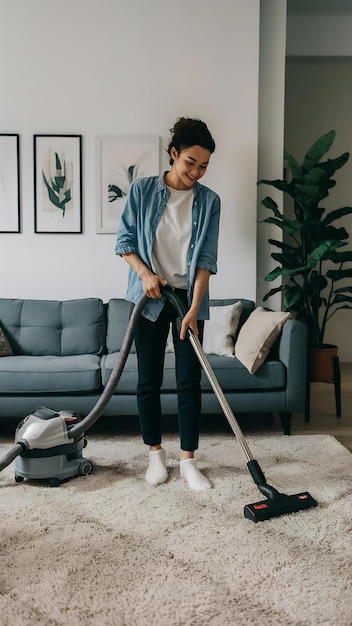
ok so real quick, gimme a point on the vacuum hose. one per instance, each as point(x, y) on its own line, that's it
point(17, 450)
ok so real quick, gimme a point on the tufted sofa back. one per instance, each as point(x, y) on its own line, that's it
point(50, 327)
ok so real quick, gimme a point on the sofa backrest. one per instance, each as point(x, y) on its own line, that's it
point(53, 327)
point(117, 320)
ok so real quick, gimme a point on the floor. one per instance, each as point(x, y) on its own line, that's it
point(323, 412)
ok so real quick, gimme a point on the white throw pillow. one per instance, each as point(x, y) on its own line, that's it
point(257, 335)
point(220, 329)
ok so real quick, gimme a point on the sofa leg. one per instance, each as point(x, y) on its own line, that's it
point(285, 422)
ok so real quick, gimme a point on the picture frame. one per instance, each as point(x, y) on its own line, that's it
point(119, 161)
point(9, 183)
point(57, 184)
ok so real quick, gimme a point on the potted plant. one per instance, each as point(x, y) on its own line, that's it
point(312, 265)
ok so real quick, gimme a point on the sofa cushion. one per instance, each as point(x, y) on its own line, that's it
point(233, 376)
point(230, 373)
point(129, 377)
point(50, 374)
point(117, 316)
point(51, 327)
point(258, 335)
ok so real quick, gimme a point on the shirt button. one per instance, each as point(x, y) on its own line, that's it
point(195, 223)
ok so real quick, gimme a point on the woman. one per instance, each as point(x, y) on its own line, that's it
point(169, 235)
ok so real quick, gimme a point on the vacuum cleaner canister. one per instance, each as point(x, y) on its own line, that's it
point(51, 454)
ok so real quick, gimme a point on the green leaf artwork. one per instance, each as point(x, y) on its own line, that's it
point(57, 184)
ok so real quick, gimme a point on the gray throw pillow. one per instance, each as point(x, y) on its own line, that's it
point(5, 348)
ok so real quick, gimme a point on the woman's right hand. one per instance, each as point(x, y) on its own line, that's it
point(151, 284)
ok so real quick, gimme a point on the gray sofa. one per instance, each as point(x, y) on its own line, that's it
point(64, 351)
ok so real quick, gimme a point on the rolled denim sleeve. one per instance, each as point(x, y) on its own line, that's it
point(208, 253)
point(126, 241)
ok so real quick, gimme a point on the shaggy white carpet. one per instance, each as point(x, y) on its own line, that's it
point(110, 550)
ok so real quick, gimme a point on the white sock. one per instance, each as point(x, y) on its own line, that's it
point(156, 472)
point(190, 472)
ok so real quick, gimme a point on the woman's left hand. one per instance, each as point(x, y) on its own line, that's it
point(189, 321)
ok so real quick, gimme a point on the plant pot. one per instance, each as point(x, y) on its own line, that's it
point(321, 364)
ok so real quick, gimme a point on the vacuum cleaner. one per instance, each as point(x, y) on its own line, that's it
point(42, 461)
point(49, 444)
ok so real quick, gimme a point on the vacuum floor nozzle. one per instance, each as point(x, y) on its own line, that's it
point(280, 504)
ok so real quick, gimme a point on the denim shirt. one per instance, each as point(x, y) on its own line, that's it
point(146, 201)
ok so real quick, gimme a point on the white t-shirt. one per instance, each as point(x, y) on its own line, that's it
point(172, 238)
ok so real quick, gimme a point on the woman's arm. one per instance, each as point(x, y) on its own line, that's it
point(150, 281)
point(199, 289)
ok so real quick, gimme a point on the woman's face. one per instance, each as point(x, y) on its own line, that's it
point(189, 165)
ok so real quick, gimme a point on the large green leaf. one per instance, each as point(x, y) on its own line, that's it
point(332, 165)
point(290, 260)
point(315, 176)
point(336, 214)
point(295, 168)
point(341, 298)
point(318, 149)
point(285, 225)
point(269, 203)
point(282, 245)
point(292, 296)
point(272, 292)
point(275, 273)
point(282, 185)
point(337, 234)
point(318, 253)
point(339, 257)
point(339, 274)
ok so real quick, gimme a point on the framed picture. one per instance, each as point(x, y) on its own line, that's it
point(119, 161)
point(58, 184)
point(9, 184)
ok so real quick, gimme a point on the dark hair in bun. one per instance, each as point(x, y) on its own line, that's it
point(189, 132)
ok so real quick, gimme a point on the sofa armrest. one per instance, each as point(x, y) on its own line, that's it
point(293, 353)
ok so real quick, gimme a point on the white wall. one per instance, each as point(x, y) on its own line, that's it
point(110, 67)
point(271, 133)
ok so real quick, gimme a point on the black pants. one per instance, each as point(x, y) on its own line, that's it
point(150, 341)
